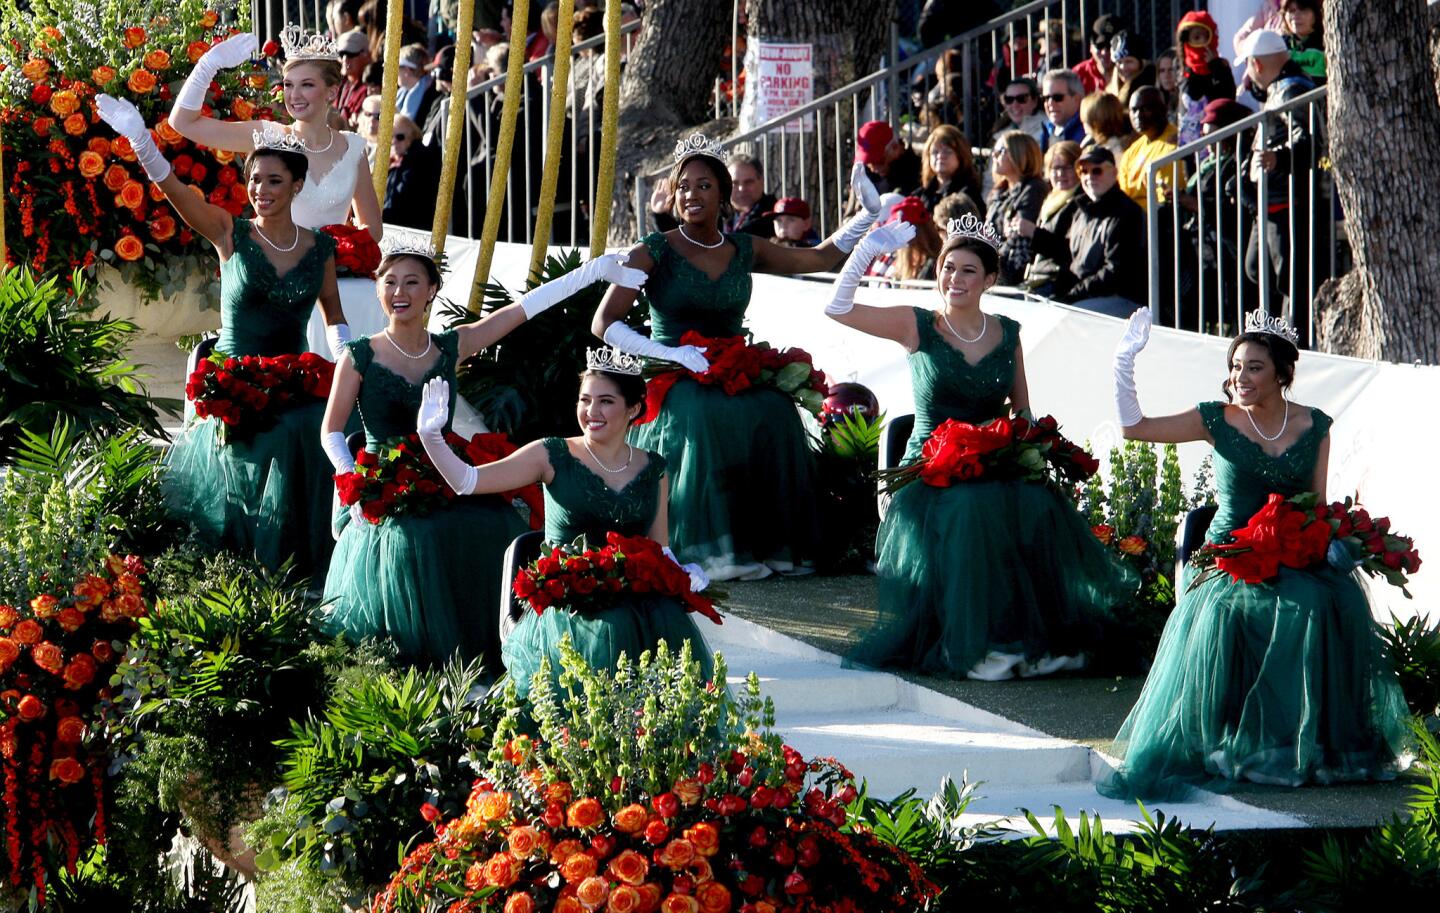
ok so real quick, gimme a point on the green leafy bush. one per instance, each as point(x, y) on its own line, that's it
point(847, 456)
point(1414, 648)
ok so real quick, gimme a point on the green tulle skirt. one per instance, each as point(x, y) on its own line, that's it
point(1284, 683)
point(268, 496)
point(742, 478)
point(987, 566)
point(631, 627)
point(431, 583)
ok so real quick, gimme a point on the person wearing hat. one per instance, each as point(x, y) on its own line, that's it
point(416, 91)
point(354, 50)
point(793, 223)
point(916, 260)
point(1205, 76)
point(1095, 70)
point(1105, 247)
point(889, 163)
point(1132, 69)
point(1156, 139)
point(1291, 151)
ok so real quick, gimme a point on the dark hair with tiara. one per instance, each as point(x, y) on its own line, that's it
point(387, 263)
point(295, 162)
point(631, 386)
point(989, 256)
point(722, 177)
point(1283, 354)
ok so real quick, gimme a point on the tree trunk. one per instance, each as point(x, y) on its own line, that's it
point(1384, 116)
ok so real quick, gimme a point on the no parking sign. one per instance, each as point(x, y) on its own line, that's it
point(780, 78)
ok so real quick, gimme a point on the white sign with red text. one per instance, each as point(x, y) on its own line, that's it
point(779, 79)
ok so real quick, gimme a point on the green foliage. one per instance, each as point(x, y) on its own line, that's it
point(849, 517)
point(930, 832)
point(525, 386)
point(57, 361)
point(1414, 649)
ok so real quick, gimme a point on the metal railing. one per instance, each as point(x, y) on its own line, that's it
point(1243, 237)
point(268, 17)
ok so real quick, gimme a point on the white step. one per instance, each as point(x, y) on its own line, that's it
point(1003, 807)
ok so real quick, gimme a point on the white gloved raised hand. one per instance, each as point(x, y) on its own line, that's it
point(231, 52)
point(1127, 399)
point(882, 240)
point(699, 580)
point(869, 199)
point(125, 119)
point(605, 268)
point(691, 358)
point(430, 425)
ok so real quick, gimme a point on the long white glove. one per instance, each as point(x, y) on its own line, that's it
point(1127, 401)
point(125, 119)
point(337, 334)
point(699, 580)
point(430, 425)
point(691, 358)
point(231, 52)
point(338, 451)
point(882, 240)
point(864, 191)
point(607, 267)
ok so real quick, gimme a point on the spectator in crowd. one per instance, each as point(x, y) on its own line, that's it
point(748, 198)
point(953, 207)
point(414, 178)
point(1062, 93)
point(1132, 70)
point(369, 129)
point(917, 259)
point(1268, 15)
point(1105, 247)
point(372, 22)
point(1094, 71)
point(442, 70)
point(354, 52)
point(1018, 192)
point(1167, 77)
point(342, 16)
point(587, 73)
point(793, 226)
point(1205, 76)
point(891, 165)
point(1020, 110)
point(416, 91)
point(1212, 230)
point(538, 44)
point(942, 19)
point(1107, 123)
point(1305, 36)
point(1290, 154)
point(1051, 45)
point(1056, 214)
point(1156, 138)
point(948, 166)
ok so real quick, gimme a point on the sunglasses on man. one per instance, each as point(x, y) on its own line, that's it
point(1093, 171)
point(1056, 97)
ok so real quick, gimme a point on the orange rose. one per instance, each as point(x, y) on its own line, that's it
point(9, 652)
point(495, 806)
point(35, 69)
point(705, 838)
point(629, 867)
point(132, 195)
point(195, 50)
point(223, 156)
point(502, 870)
point(8, 617)
point(44, 606)
point(102, 76)
point(64, 103)
point(679, 903)
point(168, 134)
point(156, 193)
point(1103, 532)
point(688, 790)
point(129, 248)
point(43, 125)
point(567, 904)
point(559, 791)
point(520, 903)
point(128, 604)
point(243, 109)
point(578, 867)
point(157, 60)
point(624, 899)
point(208, 20)
point(631, 819)
point(475, 876)
point(162, 228)
point(134, 37)
point(128, 583)
point(584, 813)
point(713, 897)
point(141, 81)
point(92, 164)
point(523, 841)
point(76, 125)
point(258, 80)
point(99, 145)
point(564, 850)
point(51, 32)
point(71, 729)
point(650, 894)
point(66, 770)
point(115, 178)
point(699, 869)
point(121, 147)
point(1132, 545)
point(765, 906)
point(29, 632)
point(592, 891)
point(71, 619)
point(80, 671)
point(30, 708)
point(676, 854)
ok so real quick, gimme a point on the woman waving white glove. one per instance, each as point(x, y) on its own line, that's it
point(1127, 400)
point(883, 240)
point(430, 426)
point(231, 52)
point(869, 199)
point(609, 268)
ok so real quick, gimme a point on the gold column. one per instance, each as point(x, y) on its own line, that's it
point(609, 133)
point(455, 124)
point(555, 138)
point(394, 26)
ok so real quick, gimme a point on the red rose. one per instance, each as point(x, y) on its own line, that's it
point(667, 805)
point(29, 631)
point(270, 48)
point(67, 770)
point(30, 708)
point(656, 832)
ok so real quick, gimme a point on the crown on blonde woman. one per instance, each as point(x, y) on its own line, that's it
point(302, 45)
point(275, 137)
point(1260, 322)
point(699, 144)
point(406, 244)
point(613, 361)
point(971, 226)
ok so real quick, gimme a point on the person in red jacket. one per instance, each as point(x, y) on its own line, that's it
point(1095, 71)
point(1205, 76)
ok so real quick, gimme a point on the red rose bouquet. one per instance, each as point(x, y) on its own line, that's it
point(587, 580)
point(401, 479)
point(356, 253)
point(246, 393)
point(1003, 448)
point(737, 366)
point(1299, 532)
point(56, 659)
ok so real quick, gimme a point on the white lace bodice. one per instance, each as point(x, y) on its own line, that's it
point(326, 200)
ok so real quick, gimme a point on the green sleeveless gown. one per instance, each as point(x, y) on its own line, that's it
point(1007, 566)
point(431, 583)
point(269, 495)
point(578, 502)
point(742, 477)
point(1284, 683)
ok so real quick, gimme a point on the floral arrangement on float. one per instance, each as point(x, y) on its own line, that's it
point(737, 366)
point(247, 393)
point(693, 806)
point(357, 254)
point(1016, 447)
point(75, 196)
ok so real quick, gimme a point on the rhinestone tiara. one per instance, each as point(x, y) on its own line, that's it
point(971, 226)
point(302, 45)
point(699, 144)
point(272, 135)
point(1258, 321)
point(613, 361)
point(406, 243)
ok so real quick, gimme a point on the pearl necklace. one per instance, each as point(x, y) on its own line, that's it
point(1283, 422)
point(984, 325)
point(630, 456)
point(316, 151)
point(701, 243)
point(393, 344)
point(276, 247)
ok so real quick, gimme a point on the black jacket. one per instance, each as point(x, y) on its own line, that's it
point(1105, 247)
point(1297, 147)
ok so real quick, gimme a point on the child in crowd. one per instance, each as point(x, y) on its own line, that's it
point(793, 225)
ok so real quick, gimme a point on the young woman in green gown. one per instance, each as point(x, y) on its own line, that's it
point(269, 494)
point(743, 475)
point(985, 579)
point(595, 483)
point(1284, 682)
point(428, 582)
